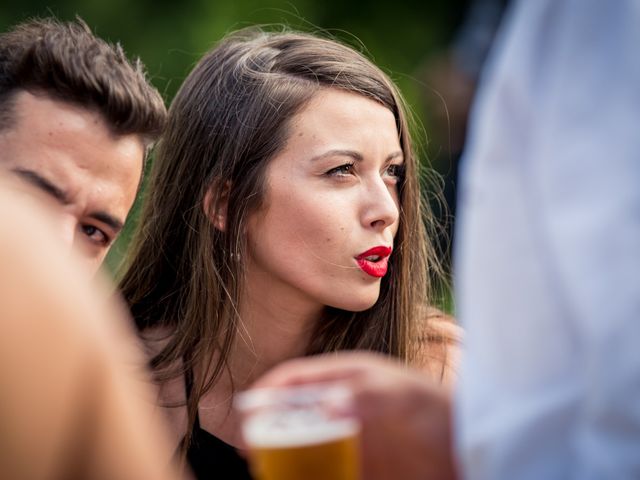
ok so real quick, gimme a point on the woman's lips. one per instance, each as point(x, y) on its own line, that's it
point(374, 261)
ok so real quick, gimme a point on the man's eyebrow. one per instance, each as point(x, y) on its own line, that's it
point(40, 182)
point(108, 219)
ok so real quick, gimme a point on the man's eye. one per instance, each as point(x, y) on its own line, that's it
point(94, 234)
point(342, 170)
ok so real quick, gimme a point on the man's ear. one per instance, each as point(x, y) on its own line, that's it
point(215, 204)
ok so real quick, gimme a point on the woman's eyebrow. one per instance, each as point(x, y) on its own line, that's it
point(395, 155)
point(339, 153)
point(357, 156)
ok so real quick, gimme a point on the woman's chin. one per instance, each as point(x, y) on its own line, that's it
point(360, 304)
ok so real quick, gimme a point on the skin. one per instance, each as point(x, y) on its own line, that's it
point(405, 418)
point(84, 174)
point(331, 195)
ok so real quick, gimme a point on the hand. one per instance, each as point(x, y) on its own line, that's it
point(406, 418)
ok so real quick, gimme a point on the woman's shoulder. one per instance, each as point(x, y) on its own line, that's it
point(155, 339)
point(439, 341)
point(170, 393)
point(169, 380)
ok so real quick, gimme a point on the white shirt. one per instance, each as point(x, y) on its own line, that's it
point(548, 253)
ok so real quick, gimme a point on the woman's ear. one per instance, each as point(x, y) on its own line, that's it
point(215, 204)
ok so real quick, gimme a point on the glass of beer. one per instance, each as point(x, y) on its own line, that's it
point(301, 433)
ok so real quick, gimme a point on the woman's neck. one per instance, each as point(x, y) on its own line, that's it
point(273, 329)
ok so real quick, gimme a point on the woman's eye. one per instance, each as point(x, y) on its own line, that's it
point(342, 170)
point(95, 235)
point(396, 171)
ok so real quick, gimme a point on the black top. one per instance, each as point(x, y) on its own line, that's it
point(208, 456)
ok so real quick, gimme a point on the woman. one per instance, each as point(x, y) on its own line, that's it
point(283, 218)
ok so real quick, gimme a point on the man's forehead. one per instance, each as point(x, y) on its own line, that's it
point(67, 149)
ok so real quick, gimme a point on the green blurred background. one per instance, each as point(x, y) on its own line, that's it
point(402, 37)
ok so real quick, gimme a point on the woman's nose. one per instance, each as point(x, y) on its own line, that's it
point(381, 205)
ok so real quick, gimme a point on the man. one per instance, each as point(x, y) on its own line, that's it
point(76, 120)
point(547, 269)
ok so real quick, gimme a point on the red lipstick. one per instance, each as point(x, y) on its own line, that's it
point(374, 261)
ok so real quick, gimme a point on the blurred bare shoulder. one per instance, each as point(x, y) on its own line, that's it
point(439, 340)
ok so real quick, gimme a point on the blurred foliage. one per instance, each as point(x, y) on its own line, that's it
point(171, 36)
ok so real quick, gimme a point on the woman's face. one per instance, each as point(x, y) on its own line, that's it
point(331, 211)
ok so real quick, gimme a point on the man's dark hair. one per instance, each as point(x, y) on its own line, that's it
point(66, 62)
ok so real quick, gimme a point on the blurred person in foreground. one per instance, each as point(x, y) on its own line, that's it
point(547, 270)
point(74, 399)
point(76, 121)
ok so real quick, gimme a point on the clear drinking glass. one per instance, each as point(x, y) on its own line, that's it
point(301, 433)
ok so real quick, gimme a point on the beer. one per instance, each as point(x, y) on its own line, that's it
point(299, 437)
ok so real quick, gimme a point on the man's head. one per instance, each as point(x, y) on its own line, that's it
point(76, 119)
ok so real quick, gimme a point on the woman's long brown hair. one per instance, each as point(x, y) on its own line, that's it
point(229, 119)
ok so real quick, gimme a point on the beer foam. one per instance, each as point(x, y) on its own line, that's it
point(297, 429)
